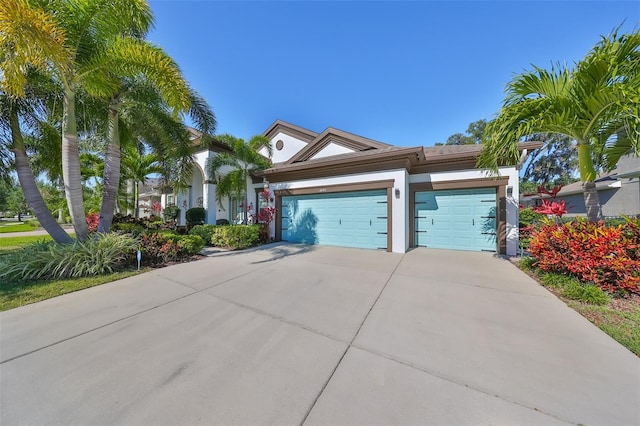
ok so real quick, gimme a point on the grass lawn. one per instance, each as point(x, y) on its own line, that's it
point(15, 227)
point(12, 243)
point(619, 318)
point(19, 294)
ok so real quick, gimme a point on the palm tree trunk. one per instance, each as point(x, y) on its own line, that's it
point(592, 201)
point(588, 175)
point(29, 188)
point(136, 197)
point(111, 178)
point(245, 216)
point(71, 166)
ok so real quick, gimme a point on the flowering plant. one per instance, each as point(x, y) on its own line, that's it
point(552, 208)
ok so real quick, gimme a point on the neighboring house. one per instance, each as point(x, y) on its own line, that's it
point(337, 188)
point(619, 191)
point(149, 193)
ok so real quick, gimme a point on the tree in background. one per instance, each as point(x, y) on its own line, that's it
point(5, 186)
point(596, 103)
point(17, 203)
point(556, 163)
point(243, 161)
point(474, 135)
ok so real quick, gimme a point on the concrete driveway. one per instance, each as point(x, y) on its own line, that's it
point(315, 335)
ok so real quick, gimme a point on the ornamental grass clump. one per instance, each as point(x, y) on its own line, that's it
point(607, 256)
point(103, 254)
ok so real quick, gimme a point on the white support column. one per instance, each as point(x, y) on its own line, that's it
point(182, 201)
point(209, 202)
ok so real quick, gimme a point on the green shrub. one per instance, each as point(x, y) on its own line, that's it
point(190, 244)
point(170, 234)
point(235, 236)
point(529, 217)
point(552, 279)
point(527, 263)
point(171, 212)
point(100, 255)
point(131, 228)
point(195, 216)
point(203, 231)
point(33, 223)
point(168, 246)
point(587, 293)
point(157, 248)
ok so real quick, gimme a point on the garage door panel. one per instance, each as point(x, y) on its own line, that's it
point(350, 219)
point(456, 219)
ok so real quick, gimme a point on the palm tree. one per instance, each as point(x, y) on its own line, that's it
point(102, 43)
point(146, 121)
point(243, 161)
point(28, 182)
point(29, 113)
point(30, 41)
point(71, 40)
point(595, 103)
point(136, 166)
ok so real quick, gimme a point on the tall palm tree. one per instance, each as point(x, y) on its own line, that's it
point(26, 177)
point(137, 166)
point(30, 114)
point(30, 40)
point(595, 103)
point(70, 39)
point(243, 160)
point(147, 122)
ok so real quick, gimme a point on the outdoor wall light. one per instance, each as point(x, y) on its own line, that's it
point(265, 184)
point(509, 191)
point(397, 192)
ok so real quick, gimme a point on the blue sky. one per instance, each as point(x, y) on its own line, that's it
point(405, 73)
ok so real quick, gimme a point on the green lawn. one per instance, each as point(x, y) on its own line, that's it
point(19, 294)
point(12, 243)
point(619, 319)
point(15, 227)
point(13, 295)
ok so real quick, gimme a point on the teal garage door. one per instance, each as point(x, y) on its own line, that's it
point(463, 219)
point(348, 219)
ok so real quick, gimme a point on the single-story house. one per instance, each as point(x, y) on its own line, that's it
point(338, 188)
point(618, 190)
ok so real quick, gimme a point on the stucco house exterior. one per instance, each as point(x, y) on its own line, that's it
point(338, 188)
point(619, 191)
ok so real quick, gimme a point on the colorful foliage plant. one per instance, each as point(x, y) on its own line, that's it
point(608, 256)
point(556, 208)
point(93, 220)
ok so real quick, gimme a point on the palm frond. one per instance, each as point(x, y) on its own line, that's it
point(29, 37)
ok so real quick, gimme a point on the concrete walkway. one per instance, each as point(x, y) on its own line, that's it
point(315, 335)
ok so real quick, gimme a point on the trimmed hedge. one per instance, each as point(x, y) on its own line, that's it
point(235, 236)
point(204, 232)
point(195, 216)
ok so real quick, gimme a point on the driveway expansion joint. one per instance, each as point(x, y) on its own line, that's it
point(457, 382)
point(96, 328)
point(315, 401)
